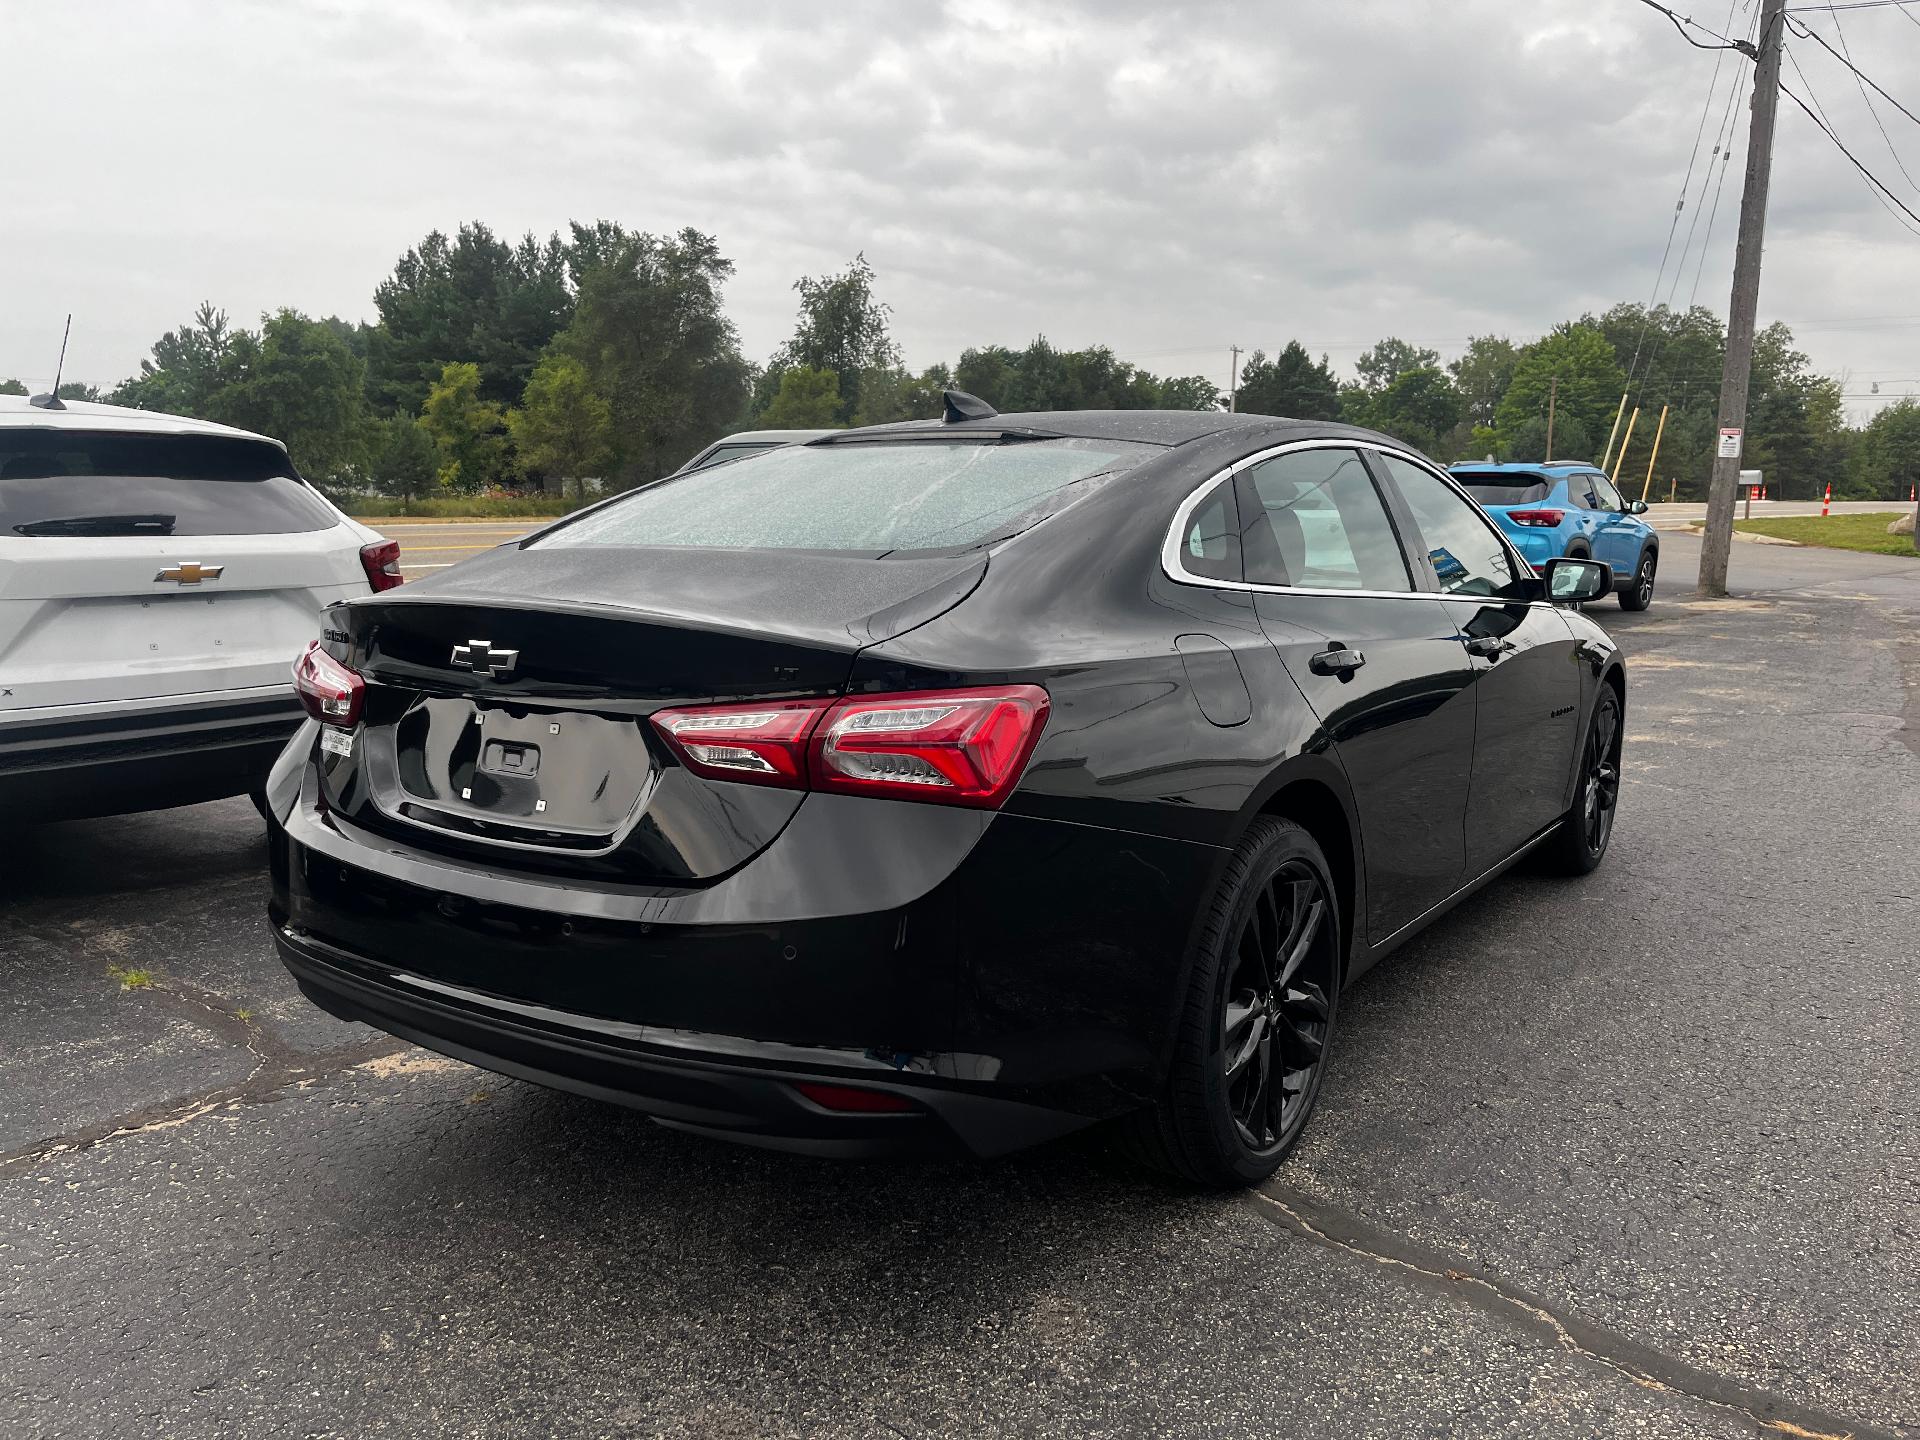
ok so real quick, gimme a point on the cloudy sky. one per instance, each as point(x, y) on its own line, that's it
point(1167, 179)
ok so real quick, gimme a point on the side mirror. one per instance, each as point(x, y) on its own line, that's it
point(1637, 507)
point(1574, 582)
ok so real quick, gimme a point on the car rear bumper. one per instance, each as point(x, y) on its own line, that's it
point(114, 762)
point(1014, 984)
point(721, 1086)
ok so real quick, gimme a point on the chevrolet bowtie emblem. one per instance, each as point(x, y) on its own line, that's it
point(480, 656)
point(190, 572)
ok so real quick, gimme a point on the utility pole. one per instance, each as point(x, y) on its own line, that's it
point(1718, 543)
point(1233, 380)
point(1553, 394)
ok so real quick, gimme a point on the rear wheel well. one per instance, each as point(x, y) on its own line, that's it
point(1317, 810)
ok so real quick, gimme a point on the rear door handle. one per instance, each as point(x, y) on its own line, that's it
point(1337, 661)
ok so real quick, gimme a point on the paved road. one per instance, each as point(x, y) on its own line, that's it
point(429, 546)
point(1634, 1155)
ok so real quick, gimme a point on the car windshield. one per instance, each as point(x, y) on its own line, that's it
point(1504, 489)
point(869, 496)
point(71, 483)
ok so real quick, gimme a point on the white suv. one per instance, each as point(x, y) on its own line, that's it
point(158, 578)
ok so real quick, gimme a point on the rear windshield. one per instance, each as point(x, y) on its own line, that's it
point(867, 496)
point(1504, 489)
point(71, 482)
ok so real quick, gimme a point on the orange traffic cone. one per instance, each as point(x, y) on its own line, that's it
point(1826, 505)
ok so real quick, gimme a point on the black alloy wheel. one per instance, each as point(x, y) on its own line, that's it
point(1580, 844)
point(1254, 1032)
point(1276, 1010)
point(1639, 594)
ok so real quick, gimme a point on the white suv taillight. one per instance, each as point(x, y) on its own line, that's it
point(381, 561)
point(331, 692)
point(952, 747)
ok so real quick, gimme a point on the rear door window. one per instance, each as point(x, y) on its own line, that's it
point(73, 482)
point(864, 496)
point(1312, 519)
point(1210, 543)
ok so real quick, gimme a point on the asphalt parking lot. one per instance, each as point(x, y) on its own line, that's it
point(1632, 1155)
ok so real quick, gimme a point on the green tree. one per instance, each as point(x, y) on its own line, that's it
point(1418, 406)
point(298, 381)
point(808, 399)
point(1190, 392)
point(842, 328)
point(1885, 463)
point(403, 459)
point(562, 430)
point(1043, 378)
point(649, 327)
point(187, 369)
point(1482, 374)
point(475, 299)
point(466, 430)
point(892, 393)
point(1388, 360)
point(12, 387)
point(1292, 384)
point(1590, 383)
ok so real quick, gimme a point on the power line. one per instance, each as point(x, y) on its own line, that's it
point(1825, 122)
point(1673, 226)
point(1872, 179)
point(1680, 22)
point(1840, 30)
point(1807, 33)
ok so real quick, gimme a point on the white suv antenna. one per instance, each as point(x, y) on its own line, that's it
point(51, 400)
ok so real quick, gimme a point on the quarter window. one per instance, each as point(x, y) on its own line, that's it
point(1210, 548)
point(1463, 549)
point(1313, 519)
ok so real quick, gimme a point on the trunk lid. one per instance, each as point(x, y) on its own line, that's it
point(90, 619)
point(507, 700)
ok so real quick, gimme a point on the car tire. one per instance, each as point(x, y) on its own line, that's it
point(1579, 843)
point(1255, 1026)
point(1638, 594)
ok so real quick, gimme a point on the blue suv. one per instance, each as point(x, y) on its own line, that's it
point(1550, 510)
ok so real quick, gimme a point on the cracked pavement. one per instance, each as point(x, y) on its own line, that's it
point(1634, 1155)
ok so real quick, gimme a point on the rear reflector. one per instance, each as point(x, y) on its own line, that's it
point(1545, 519)
point(953, 747)
point(851, 1099)
point(381, 561)
point(331, 692)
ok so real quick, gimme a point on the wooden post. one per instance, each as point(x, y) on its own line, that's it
point(1625, 441)
point(1654, 459)
point(1606, 460)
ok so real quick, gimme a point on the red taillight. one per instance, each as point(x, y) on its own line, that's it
point(1545, 519)
point(954, 747)
point(957, 747)
point(330, 691)
point(853, 1099)
point(760, 744)
point(381, 561)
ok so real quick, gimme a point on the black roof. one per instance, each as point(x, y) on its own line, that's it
point(1149, 427)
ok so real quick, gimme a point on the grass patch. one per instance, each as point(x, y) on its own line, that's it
point(1836, 532)
point(131, 979)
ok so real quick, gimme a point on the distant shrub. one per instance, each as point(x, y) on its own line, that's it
point(451, 507)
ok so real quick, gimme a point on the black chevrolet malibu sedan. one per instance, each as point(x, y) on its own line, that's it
point(944, 784)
